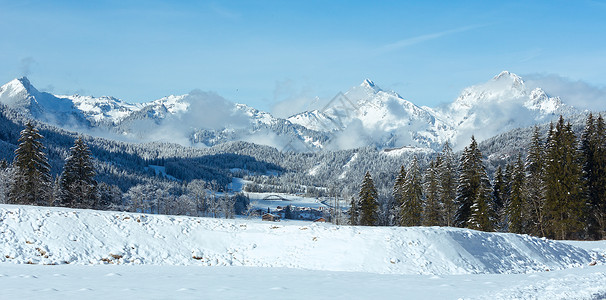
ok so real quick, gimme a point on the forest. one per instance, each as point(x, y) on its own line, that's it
point(544, 181)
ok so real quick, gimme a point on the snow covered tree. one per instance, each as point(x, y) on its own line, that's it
point(368, 202)
point(77, 179)
point(515, 207)
point(398, 193)
point(6, 181)
point(109, 197)
point(535, 186)
point(473, 180)
point(482, 212)
point(447, 177)
point(563, 192)
point(432, 210)
point(32, 181)
point(498, 194)
point(412, 205)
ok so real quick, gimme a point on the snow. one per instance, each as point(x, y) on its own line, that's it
point(363, 116)
point(191, 282)
point(128, 255)
point(60, 236)
point(259, 201)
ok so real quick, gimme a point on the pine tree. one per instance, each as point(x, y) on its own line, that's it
point(368, 202)
point(593, 150)
point(563, 191)
point(447, 177)
point(77, 179)
point(432, 210)
point(515, 208)
point(472, 182)
point(498, 189)
point(535, 186)
point(398, 194)
point(412, 207)
point(482, 210)
point(32, 179)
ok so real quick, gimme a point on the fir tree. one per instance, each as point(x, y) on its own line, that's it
point(398, 194)
point(472, 179)
point(498, 189)
point(482, 210)
point(432, 210)
point(32, 179)
point(593, 150)
point(515, 207)
point(563, 192)
point(535, 186)
point(368, 202)
point(77, 179)
point(447, 177)
point(412, 207)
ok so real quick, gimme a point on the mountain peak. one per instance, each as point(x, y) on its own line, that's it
point(18, 85)
point(506, 75)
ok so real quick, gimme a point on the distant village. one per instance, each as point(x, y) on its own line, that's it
point(290, 212)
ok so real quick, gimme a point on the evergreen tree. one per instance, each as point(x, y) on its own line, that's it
point(563, 191)
point(482, 211)
point(593, 150)
point(515, 208)
point(498, 189)
point(432, 210)
point(472, 182)
point(412, 207)
point(288, 213)
point(368, 202)
point(447, 177)
point(398, 194)
point(32, 181)
point(535, 186)
point(77, 179)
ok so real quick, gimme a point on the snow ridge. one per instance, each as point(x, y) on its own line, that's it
point(42, 235)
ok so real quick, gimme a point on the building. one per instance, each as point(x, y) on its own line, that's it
point(270, 217)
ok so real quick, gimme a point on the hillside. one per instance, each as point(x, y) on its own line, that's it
point(66, 236)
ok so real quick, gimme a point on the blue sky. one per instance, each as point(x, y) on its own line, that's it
point(264, 52)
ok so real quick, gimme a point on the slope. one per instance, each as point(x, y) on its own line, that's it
point(59, 236)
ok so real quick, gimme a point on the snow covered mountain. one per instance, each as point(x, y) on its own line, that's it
point(499, 105)
point(365, 115)
point(194, 118)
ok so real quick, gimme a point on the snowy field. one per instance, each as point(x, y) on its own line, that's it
point(273, 200)
point(66, 253)
point(192, 282)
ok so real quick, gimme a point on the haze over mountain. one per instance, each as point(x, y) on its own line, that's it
point(365, 115)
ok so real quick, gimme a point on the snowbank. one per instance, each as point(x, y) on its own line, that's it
point(41, 235)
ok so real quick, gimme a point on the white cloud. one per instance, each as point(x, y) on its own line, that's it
point(206, 110)
point(290, 98)
point(423, 38)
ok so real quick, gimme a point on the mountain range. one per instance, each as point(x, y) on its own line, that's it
point(365, 115)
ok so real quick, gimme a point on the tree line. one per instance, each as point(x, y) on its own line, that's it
point(28, 181)
point(557, 190)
